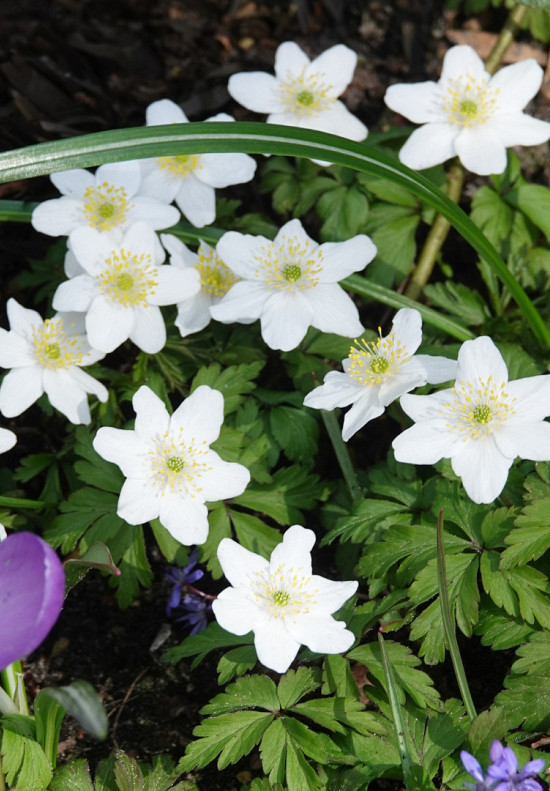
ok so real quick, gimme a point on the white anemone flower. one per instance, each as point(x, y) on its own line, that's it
point(7, 440)
point(45, 357)
point(481, 424)
point(107, 201)
point(169, 467)
point(122, 287)
point(303, 92)
point(469, 113)
point(216, 280)
point(191, 179)
point(291, 283)
point(378, 372)
point(281, 601)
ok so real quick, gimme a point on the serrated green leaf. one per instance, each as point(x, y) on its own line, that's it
point(395, 240)
point(458, 300)
point(500, 630)
point(534, 655)
point(532, 199)
point(82, 509)
point(299, 773)
point(73, 776)
point(236, 662)
point(253, 534)
point(24, 762)
point(368, 519)
point(317, 746)
point(128, 775)
point(296, 431)
point(134, 570)
point(233, 382)
point(273, 751)
point(387, 191)
point(200, 644)
point(247, 692)
point(344, 211)
point(292, 488)
point(491, 214)
point(526, 701)
point(338, 678)
point(531, 538)
point(295, 684)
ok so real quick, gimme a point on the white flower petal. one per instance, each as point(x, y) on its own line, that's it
point(336, 120)
point(520, 130)
point(337, 65)
point(193, 314)
point(290, 60)
point(185, 519)
point(517, 84)
point(430, 145)
point(235, 612)
point(483, 469)
point(321, 633)
point(197, 201)
point(275, 647)
point(58, 217)
point(199, 417)
point(294, 551)
point(340, 259)
point(152, 418)
point(241, 252)
point(139, 501)
point(462, 60)
point(479, 359)
point(174, 285)
point(15, 350)
point(65, 394)
point(243, 302)
point(365, 409)
point(89, 384)
point(180, 255)
point(239, 565)
point(285, 319)
point(438, 369)
point(222, 170)
point(73, 183)
point(164, 111)
point(407, 329)
point(426, 443)
point(531, 397)
point(411, 374)
point(123, 448)
point(481, 150)
point(330, 595)
point(529, 440)
point(255, 90)
point(125, 174)
point(76, 294)
point(7, 441)
point(225, 480)
point(338, 389)
point(422, 408)
point(156, 213)
point(333, 311)
point(22, 320)
point(20, 388)
point(419, 102)
point(108, 325)
point(90, 248)
point(160, 184)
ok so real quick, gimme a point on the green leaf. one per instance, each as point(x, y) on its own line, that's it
point(253, 534)
point(317, 746)
point(292, 488)
point(273, 751)
point(534, 201)
point(526, 701)
point(395, 238)
point(81, 510)
point(534, 655)
point(73, 776)
point(94, 470)
point(369, 518)
point(134, 569)
point(236, 662)
point(200, 644)
point(299, 773)
point(458, 300)
point(81, 701)
point(128, 775)
point(500, 630)
point(296, 431)
point(344, 212)
point(404, 663)
point(97, 556)
point(24, 762)
point(491, 214)
point(295, 684)
point(233, 382)
point(531, 537)
point(388, 191)
point(229, 736)
point(247, 692)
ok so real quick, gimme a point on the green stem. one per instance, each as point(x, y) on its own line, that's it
point(435, 239)
point(404, 754)
point(17, 502)
point(506, 37)
point(448, 624)
point(342, 453)
point(7, 706)
point(11, 681)
point(2, 781)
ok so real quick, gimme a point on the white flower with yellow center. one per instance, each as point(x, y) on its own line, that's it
point(45, 357)
point(291, 283)
point(107, 201)
point(281, 601)
point(378, 372)
point(169, 467)
point(216, 280)
point(303, 93)
point(122, 287)
point(481, 424)
point(469, 113)
point(191, 180)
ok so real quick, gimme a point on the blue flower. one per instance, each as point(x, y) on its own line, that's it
point(197, 612)
point(504, 770)
point(179, 578)
point(473, 767)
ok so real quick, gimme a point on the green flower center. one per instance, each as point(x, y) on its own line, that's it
point(305, 98)
point(468, 107)
point(281, 598)
point(379, 365)
point(52, 351)
point(125, 281)
point(482, 414)
point(106, 211)
point(292, 273)
point(175, 463)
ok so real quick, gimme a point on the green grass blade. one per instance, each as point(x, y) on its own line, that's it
point(259, 138)
point(404, 752)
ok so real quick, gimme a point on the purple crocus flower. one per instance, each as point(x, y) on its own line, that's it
point(473, 767)
point(32, 589)
point(504, 770)
point(178, 578)
point(197, 612)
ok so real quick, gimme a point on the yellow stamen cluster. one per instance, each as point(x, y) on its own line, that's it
point(181, 164)
point(106, 206)
point(53, 348)
point(372, 362)
point(130, 279)
point(478, 408)
point(216, 277)
point(306, 95)
point(285, 593)
point(468, 101)
point(177, 466)
point(293, 265)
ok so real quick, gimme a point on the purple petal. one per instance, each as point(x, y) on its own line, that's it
point(532, 767)
point(471, 765)
point(32, 589)
point(496, 751)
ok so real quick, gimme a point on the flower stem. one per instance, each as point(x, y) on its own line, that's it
point(342, 453)
point(11, 679)
point(448, 624)
point(438, 233)
point(399, 725)
point(507, 35)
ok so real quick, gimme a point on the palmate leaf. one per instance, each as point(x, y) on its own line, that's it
point(204, 137)
point(498, 629)
point(24, 762)
point(520, 591)
point(526, 701)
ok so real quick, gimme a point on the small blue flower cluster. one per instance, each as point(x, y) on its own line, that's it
point(195, 606)
point(503, 773)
